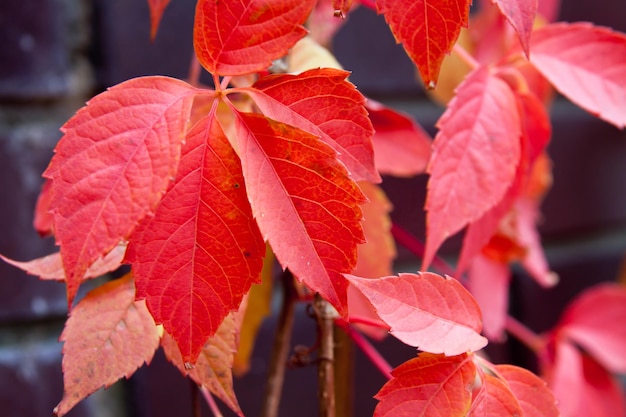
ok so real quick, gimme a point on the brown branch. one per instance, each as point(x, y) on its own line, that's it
point(344, 373)
point(326, 359)
point(280, 350)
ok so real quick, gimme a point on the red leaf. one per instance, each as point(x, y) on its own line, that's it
point(474, 158)
point(566, 379)
point(595, 321)
point(44, 220)
point(521, 15)
point(112, 166)
point(200, 253)
point(213, 369)
point(402, 147)
point(429, 385)
point(427, 29)
point(585, 63)
point(51, 266)
point(433, 313)
point(107, 336)
point(235, 37)
point(322, 102)
point(157, 7)
point(532, 392)
point(305, 203)
point(495, 399)
point(489, 284)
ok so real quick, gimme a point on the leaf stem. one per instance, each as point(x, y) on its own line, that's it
point(326, 358)
point(280, 350)
point(366, 347)
point(465, 56)
point(414, 245)
point(210, 402)
point(525, 335)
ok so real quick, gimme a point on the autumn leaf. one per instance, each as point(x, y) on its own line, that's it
point(474, 158)
point(532, 392)
point(427, 29)
point(428, 385)
point(213, 368)
point(197, 257)
point(157, 7)
point(433, 313)
point(50, 267)
point(595, 321)
point(239, 37)
point(107, 336)
point(259, 306)
point(304, 202)
point(521, 15)
point(495, 399)
point(323, 103)
point(401, 147)
point(105, 180)
point(587, 64)
point(44, 220)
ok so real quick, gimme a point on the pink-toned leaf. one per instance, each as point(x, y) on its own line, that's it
point(375, 257)
point(44, 220)
point(595, 320)
point(213, 369)
point(197, 257)
point(401, 147)
point(107, 336)
point(565, 379)
point(549, 9)
point(235, 37)
point(157, 7)
point(322, 102)
point(495, 399)
point(429, 385)
point(50, 267)
point(305, 203)
point(474, 158)
point(535, 259)
point(585, 63)
point(603, 394)
point(427, 29)
point(112, 166)
point(532, 392)
point(521, 15)
point(489, 284)
point(433, 313)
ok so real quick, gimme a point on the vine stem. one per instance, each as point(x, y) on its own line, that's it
point(366, 347)
point(465, 56)
point(522, 333)
point(326, 357)
point(210, 402)
point(280, 350)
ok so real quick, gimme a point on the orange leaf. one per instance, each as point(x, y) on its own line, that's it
point(233, 37)
point(304, 202)
point(474, 158)
point(107, 336)
point(433, 313)
point(532, 392)
point(197, 257)
point(112, 166)
point(213, 368)
point(322, 102)
point(429, 385)
point(427, 29)
point(495, 399)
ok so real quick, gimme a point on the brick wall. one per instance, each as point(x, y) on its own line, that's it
point(56, 54)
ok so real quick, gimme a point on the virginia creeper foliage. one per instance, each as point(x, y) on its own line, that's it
point(190, 185)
